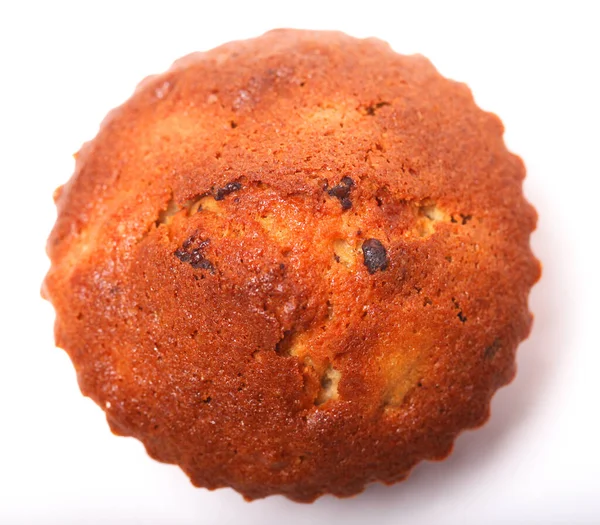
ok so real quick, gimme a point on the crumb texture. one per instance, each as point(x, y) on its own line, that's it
point(294, 265)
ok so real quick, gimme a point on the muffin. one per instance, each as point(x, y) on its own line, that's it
point(294, 265)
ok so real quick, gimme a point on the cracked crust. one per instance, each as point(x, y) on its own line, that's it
point(294, 265)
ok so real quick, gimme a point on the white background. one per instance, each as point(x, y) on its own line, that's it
point(536, 64)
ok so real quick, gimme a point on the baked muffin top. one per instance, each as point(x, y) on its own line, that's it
point(294, 264)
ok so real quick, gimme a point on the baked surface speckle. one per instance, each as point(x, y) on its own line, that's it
point(294, 265)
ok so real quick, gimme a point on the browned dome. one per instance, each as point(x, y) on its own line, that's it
point(294, 265)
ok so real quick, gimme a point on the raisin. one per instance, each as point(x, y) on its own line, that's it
point(195, 258)
point(341, 192)
point(183, 256)
point(371, 109)
point(346, 204)
point(220, 193)
point(375, 256)
point(188, 242)
point(491, 350)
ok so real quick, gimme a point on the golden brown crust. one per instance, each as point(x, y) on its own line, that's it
point(294, 265)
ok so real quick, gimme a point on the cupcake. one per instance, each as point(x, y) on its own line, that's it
point(294, 265)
